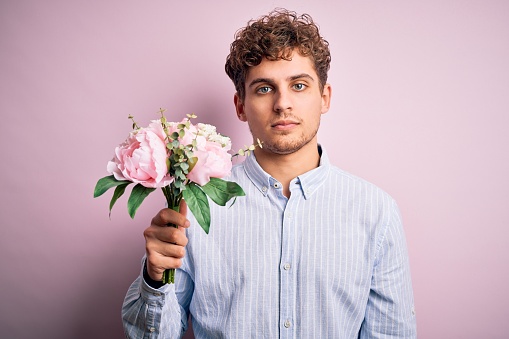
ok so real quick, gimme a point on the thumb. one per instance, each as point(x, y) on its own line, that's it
point(183, 208)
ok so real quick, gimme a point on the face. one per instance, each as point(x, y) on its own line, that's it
point(283, 104)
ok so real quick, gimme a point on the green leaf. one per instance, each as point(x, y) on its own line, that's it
point(198, 203)
point(192, 162)
point(221, 191)
point(138, 194)
point(119, 191)
point(106, 183)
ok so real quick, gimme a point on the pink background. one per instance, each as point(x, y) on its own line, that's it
point(420, 107)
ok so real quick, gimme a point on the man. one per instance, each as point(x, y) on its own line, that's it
point(311, 251)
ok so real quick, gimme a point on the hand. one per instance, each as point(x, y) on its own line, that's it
point(165, 246)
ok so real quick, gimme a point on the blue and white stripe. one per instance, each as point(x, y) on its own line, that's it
point(329, 262)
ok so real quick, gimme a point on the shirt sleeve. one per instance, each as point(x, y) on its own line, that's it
point(156, 313)
point(390, 310)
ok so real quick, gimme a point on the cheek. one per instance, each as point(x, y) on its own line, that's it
point(253, 124)
point(254, 115)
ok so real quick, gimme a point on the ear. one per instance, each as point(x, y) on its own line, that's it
point(326, 97)
point(239, 107)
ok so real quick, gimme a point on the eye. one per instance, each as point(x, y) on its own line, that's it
point(264, 90)
point(299, 86)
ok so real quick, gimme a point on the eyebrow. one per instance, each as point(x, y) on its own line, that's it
point(290, 78)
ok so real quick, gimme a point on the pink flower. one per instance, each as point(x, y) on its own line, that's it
point(142, 157)
point(213, 161)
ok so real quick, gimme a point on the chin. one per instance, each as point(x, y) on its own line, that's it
point(284, 149)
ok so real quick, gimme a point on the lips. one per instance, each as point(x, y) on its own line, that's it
point(284, 124)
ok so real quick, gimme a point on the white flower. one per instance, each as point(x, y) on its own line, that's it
point(209, 132)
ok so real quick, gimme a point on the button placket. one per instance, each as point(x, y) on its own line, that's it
point(288, 278)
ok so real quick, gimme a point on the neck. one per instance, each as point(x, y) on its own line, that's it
point(286, 167)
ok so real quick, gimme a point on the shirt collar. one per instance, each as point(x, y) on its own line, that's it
point(309, 182)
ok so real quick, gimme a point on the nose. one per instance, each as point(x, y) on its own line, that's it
point(282, 102)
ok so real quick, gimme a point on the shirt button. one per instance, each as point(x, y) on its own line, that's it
point(287, 266)
point(277, 185)
point(264, 189)
point(157, 294)
point(289, 215)
point(288, 324)
point(152, 329)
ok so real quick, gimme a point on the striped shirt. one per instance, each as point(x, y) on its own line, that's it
point(329, 262)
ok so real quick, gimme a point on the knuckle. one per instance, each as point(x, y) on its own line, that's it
point(173, 237)
point(150, 251)
point(148, 232)
point(181, 252)
point(178, 263)
point(151, 262)
point(167, 215)
point(163, 214)
point(160, 270)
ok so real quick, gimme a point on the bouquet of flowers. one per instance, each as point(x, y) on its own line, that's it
point(184, 160)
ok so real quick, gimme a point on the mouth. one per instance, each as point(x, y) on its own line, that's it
point(284, 124)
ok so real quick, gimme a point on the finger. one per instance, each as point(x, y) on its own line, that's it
point(159, 252)
point(163, 255)
point(168, 216)
point(155, 268)
point(183, 207)
point(169, 250)
point(160, 236)
point(183, 211)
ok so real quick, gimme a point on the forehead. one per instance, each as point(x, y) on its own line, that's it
point(277, 70)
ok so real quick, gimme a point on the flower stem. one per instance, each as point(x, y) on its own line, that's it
point(173, 202)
